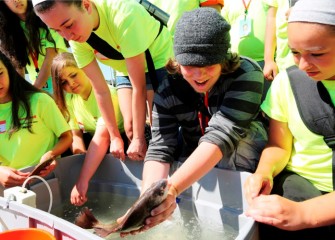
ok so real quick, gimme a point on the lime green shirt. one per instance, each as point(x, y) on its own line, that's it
point(85, 114)
point(176, 8)
point(24, 148)
point(130, 29)
point(284, 57)
point(60, 46)
point(311, 157)
point(251, 45)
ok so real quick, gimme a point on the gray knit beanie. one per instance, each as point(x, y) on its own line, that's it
point(201, 38)
point(313, 11)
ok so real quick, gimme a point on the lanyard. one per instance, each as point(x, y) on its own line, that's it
point(246, 7)
point(203, 118)
point(34, 56)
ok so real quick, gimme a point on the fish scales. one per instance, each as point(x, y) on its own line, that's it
point(135, 216)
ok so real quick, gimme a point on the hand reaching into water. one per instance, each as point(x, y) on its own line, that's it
point(78, 193)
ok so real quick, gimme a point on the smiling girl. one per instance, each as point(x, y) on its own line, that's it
point(32, 129)
point(291, 193)
point(28, 42)
point(76, 99)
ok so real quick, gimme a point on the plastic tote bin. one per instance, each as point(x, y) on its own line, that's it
point(25, 234)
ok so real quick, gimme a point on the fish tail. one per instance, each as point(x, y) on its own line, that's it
point(101, 232)
point(86, 219)
point(105, 230)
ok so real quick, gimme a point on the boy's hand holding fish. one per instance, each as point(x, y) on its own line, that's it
point(159, 214)
point(140, 217)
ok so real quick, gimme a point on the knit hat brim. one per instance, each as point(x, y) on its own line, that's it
point(201, 55)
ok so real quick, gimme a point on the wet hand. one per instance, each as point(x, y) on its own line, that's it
point(137, 149)
point(277, 211)
point(78, 194)
point(257, 184)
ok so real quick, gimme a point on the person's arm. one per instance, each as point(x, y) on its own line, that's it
point(319, 211)
point(274, 158)
point(104, 100)
point(196, 167)
point(154, 171)
point(95, 154)
point(45, 71)
point(289, 215)
point(64, 142)
point(190, 171)
point(78, 145)
point(270, 67)
point(136, 71)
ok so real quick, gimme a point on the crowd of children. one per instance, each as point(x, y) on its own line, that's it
point(212, 84)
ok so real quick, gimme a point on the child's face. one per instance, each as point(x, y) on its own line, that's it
point(313, 48)
point(202, 79)
point(74, 80)
point(4, 84)
point(69, 21)
point(17, 7)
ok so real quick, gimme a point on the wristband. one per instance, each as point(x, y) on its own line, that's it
point(173, 190)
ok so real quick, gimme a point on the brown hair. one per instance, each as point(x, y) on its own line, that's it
point(228, 66)
point(61, 61)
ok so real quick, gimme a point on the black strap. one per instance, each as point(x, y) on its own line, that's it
point(107, 50)
point(151, 66)
point(103, 47)
point(315, 107)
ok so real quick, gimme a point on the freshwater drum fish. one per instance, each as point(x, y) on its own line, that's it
point(135, 216)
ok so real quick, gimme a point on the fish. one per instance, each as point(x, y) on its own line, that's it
point(134, 217)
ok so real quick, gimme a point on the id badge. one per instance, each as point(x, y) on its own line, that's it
point(48, 86)
point(245, 27)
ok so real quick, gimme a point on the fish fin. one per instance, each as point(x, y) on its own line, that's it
point(104, 232)
point(86, 219)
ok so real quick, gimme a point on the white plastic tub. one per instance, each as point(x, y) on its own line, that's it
point(217, 198)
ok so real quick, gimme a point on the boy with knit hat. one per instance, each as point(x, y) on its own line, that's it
point(292, 192)
point(208, 105)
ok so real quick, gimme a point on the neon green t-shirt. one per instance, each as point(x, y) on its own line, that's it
point(130, 29)
point(61, 47)
point(85, 114)
point(24, 148)
point(311, 157)
point(284, 57)
point(252, 44)
point(175, 9)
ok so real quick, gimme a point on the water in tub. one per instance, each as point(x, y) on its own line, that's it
point(184, 224)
